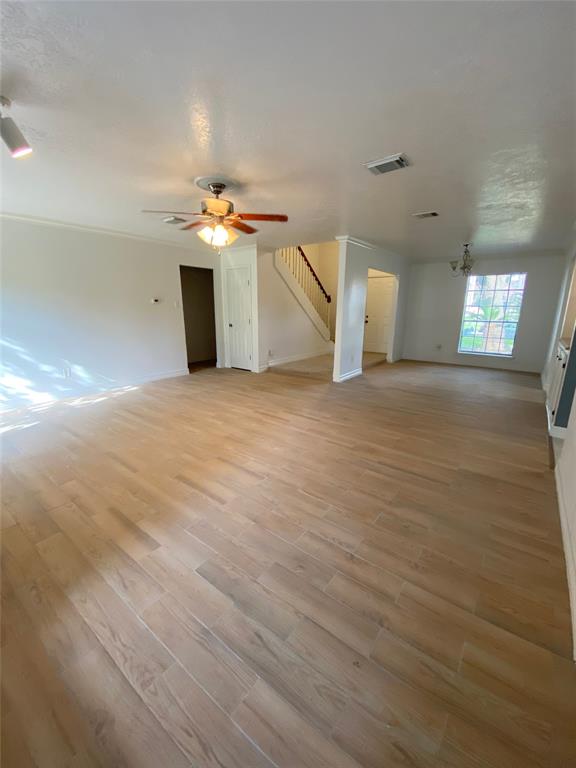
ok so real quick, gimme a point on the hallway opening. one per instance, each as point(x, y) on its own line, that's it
point(199, 318)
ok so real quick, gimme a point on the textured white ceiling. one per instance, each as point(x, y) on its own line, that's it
point(126, 102)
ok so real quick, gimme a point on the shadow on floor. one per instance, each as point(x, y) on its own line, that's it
point(321, 367)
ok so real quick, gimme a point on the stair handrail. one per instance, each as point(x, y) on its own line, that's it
point(315, 276)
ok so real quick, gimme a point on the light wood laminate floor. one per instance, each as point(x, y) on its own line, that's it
point(243, 571)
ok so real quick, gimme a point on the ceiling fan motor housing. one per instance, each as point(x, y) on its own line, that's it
point(217, 207)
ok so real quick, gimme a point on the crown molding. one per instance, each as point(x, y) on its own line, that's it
point(94, 230)
point(355, 241)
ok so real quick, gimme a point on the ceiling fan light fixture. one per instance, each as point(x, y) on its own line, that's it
point(218, 236)
point(218, 221)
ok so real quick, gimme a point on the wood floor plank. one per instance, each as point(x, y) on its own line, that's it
point(29, 513)
point(372, 686)
point(15, 740)
point(353, 629)
point(203, 732)
point(379, 742)
point(120, 571)
point(123, 728)
point(286, 735)
point(251, 597)
point(505, 719)
point(134, 649)
point(250, 560)
point(118, 527)
point(313, 569)
point(496, 752)
point(195, 594)
point(315, 696)
point(220, 672)
point(355, 567)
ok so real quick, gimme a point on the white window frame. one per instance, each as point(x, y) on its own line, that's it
point(501, 284)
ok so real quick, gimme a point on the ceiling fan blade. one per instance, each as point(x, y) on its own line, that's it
point(262, 216)
point(177, 213)
point(241, 226)
point(193, 224)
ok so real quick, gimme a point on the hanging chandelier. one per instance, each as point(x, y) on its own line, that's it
point(464, 264)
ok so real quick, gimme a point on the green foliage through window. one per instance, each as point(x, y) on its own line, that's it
point(491, 313)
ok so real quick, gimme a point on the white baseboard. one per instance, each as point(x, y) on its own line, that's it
point(349, 375)
point(294, 358)
point(154, 377)
point(569, 543)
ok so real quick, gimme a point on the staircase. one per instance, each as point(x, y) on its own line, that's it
point(297, 271)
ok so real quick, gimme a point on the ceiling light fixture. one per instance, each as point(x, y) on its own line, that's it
point(217, 235)
point(464, 264)
point(218, 219)
point(12, 136)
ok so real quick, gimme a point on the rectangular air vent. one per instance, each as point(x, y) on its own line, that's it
point(173, 220)
point(392, 163)
point(425, 214)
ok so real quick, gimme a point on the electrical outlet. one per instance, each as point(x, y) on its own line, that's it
point(67, 373)
point(438, 347)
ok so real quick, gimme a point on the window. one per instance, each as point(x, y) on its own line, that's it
point(491, 314)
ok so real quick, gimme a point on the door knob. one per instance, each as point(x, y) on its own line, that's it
point(229, 325)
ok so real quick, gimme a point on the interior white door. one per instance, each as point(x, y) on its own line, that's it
point(238, 306)
point(379, 307)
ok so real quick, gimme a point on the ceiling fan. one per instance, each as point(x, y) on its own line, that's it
point(218, 218)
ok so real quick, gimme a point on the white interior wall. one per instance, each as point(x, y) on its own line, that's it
point(355, 258)
point(436, 301)
point(286, 331)
point(77, 315)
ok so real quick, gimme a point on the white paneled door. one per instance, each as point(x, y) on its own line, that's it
point(238, 306)
point(380, 300)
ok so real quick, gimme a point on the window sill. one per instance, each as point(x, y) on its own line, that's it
point(487, 354)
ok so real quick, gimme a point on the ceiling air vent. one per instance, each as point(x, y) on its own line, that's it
point(425, 214)
point(392, 163)
point(173, 220)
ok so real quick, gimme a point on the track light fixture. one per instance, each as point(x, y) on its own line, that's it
point(12, 136)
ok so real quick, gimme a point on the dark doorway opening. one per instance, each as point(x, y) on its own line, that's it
point(199, 319)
